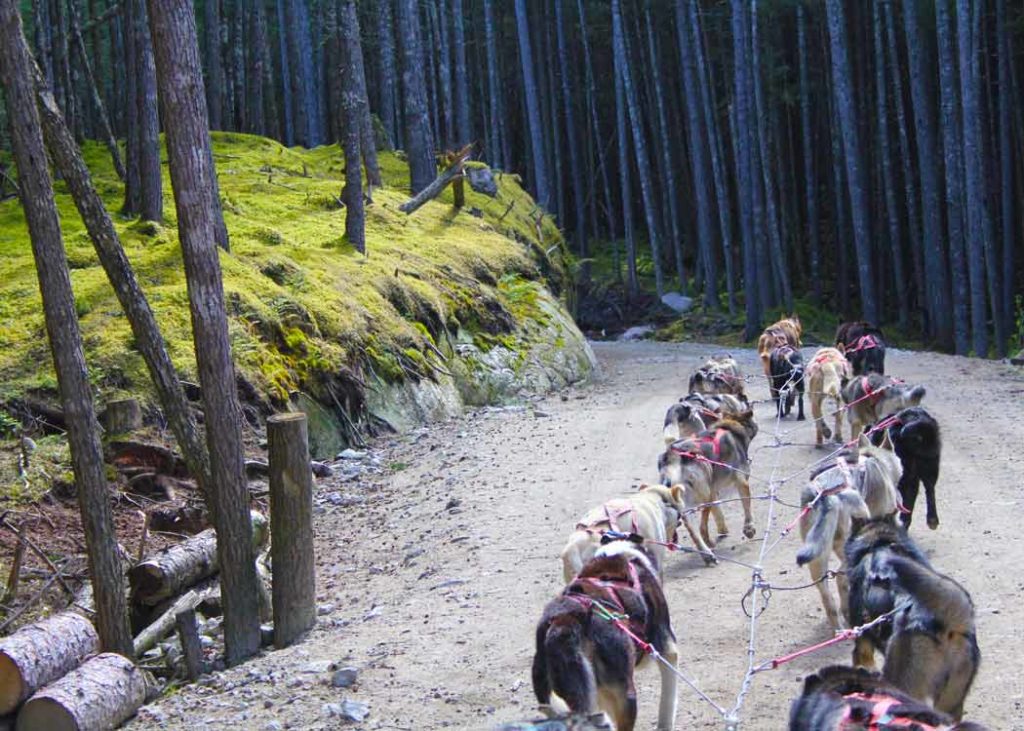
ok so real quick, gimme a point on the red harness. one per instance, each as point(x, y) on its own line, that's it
point(610, 597)
point(715, 441)
point(864, 342)
point(872, 396)
point(879, 718)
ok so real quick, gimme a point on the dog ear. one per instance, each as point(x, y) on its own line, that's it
point(678, 492)
point(863, 441)
point(887, 441)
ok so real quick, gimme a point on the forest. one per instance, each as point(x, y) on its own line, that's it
point(868, 156)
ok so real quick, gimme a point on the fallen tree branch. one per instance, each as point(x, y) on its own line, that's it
point(165, 622)
point(38, 552)
point(452, 172)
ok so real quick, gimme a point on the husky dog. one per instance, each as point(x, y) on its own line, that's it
point(915, 436)
point(873, 397)
point(706, 464)
point(719, 374)
point(783, 332)
point(585, 658)
point(826, 373)
point(786, 381)
point(653, 513)
point(930, 647)
point(863, 345)
point(839, 495)
point(697, 411)
point(840, 698)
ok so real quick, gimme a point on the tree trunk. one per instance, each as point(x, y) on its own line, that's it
point(353, 100)
point(169, 572)
point(744, 173)
point(768, 164)
point(151, 201)
point(463, 126)
point(550, 104)
point(933, 253)
point(349, 28)
point(259, 55)
point(214, 63)
point(419, 148)
point(40, 210)
point(625, 185)
point(132, 184)
point(300, 63)
point(494, 89)
point(1005, 85)
point(191, 646)
point(291, 513)
point(899, 282)
point(193, 180)
point(103, 693)
point(287, 95)
point(532, 102)
point(40, 653)
point(439, 17)
point(97, 101)
point(387, 87)
point(840, 214)
point(906, 162)
point(952, 141)
point(842, 87)
point(572, 139)
point(810, 177)
point(639, 143)
point(723, 202)
point(595, 123)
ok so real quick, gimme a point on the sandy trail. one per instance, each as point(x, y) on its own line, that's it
point(437, 580)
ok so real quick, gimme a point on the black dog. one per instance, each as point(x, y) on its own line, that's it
point(918, 444)
point(787, 379)
point(863, 345)
point(931, 651)
point(840, 697)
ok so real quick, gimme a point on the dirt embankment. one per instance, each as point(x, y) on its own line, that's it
point(432, 575)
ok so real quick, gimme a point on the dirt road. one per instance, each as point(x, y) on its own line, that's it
point(433, 580)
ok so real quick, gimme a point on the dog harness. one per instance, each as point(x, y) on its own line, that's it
point(864, 342)
point(873, 397)
point(878, 716)
point(714, 440)
point(609, 513)
point(610, 599)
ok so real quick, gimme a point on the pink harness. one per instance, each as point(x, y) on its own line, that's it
point(880, 718)
point(864, 342)
point(613, 510)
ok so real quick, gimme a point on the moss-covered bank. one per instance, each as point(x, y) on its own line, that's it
point(465, 303)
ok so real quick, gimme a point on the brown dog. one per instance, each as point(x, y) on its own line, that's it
point(706, 464)
point(783, 332)
point(720, 374)
point(826, 373)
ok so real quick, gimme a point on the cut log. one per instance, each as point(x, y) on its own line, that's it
point(40, 653)
point(122, 416)
point(291, 514)
point(178, 567)
point(99, 695)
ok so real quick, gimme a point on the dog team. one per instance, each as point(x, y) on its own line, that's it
point(612, 615)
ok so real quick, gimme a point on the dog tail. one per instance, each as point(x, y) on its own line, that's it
point(560, 666)
point(940, 595)
point(823, 530)
point(916, 394)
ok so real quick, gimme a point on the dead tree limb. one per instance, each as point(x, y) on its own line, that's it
point(452, 172)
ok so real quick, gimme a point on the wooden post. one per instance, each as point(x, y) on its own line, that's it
point(291, 527)
point(191, 647)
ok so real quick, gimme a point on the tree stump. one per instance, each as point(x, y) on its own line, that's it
point(41, 652)
point(180, 566)
point(191, 647)
point(122, 416)
point(101, 694)
point(291, 526)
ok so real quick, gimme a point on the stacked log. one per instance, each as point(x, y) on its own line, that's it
point(40, 653)
point(100, 694)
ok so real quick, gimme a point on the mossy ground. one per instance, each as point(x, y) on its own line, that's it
point(304, 306)
point(302, 300)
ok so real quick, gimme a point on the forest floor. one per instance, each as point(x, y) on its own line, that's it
point(432, 582)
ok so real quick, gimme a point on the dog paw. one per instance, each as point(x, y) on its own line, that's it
point(933, 521)
point(749, 531)
point(710, 559)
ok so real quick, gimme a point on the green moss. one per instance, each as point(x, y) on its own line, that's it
point(303, 305)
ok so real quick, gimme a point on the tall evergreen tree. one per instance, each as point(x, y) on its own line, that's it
point(532, 102)
point(418, 145)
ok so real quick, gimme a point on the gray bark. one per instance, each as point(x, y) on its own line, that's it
point(572, 139)
point(418, 146)
point(36, 192)
point(463, 125)
point(353, 102)
point(532, 101)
